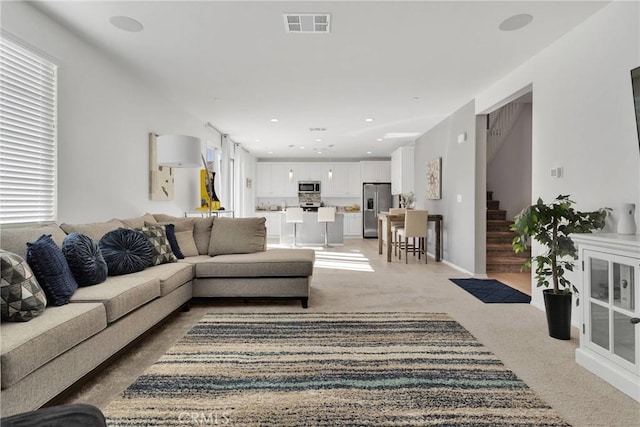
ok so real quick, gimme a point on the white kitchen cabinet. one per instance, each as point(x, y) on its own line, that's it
point(345, 180)
point(375, 171)
point(273, 180)
point(402, 170)
point(610, 301)
point(272, 223)
point(309, 171)
point(353, 224)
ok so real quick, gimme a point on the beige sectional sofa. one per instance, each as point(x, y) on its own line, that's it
point(46, 355)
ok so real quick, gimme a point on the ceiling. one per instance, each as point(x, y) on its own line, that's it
point(404, 64)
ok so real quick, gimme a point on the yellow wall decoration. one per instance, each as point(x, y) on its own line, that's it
point(204, 196)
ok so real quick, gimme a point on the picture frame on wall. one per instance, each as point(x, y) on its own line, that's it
point(434, 179)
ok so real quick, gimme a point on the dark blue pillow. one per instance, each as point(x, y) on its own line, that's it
point(171, 237)
point(126, 251)
point(51, 270)
point(85, 259)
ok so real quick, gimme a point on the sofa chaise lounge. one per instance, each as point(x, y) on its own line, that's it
point(225, 257)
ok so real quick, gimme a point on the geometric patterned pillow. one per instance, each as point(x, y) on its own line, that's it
point(157, 235)
point(22, 297)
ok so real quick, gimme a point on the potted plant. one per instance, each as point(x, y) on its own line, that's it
point(552, 224)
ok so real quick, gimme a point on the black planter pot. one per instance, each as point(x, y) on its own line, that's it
point(558, 308)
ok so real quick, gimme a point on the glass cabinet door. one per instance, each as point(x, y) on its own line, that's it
point(611, 305)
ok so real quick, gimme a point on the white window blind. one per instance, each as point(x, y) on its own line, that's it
point(28, 93)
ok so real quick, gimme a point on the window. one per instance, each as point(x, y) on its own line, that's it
point(28, 93)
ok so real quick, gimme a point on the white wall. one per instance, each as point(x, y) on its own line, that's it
point(509, 172)
point(458, 178)
point(583, 116)
point(105, 114)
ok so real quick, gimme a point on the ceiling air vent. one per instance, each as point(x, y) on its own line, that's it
point(307, 22)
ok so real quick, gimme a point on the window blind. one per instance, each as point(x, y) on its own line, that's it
point(28, 93)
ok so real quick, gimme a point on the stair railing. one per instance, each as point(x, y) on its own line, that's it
point(500, 124)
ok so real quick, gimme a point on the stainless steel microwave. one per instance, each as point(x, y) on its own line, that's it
point(308, 186)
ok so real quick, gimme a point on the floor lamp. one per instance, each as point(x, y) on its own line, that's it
point(178, 151)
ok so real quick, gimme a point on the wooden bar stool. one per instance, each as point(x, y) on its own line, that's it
point(395, 226)
point(415, 227)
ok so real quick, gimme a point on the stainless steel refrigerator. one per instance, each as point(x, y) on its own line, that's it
point(376, 198)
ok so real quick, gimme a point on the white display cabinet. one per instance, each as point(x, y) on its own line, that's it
point(610, 335)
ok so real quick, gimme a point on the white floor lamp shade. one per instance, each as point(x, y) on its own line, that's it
point(179, 151)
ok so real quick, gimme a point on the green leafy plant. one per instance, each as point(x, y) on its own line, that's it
point(552, 224)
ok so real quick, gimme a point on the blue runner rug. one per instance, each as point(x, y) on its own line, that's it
point(491, 291)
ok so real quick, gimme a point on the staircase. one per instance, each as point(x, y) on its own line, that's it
point(500, 255)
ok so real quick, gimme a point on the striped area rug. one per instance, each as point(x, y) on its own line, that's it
point(313, 369)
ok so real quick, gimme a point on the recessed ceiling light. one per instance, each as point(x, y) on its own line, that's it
point(302, 148)
point(379, 139)
point(126, 24)
point(516, 22)
point(269, 152)
point(257, 140)
point(368, 120)
point(318, 140)
point(368, 152)
point(274, 120)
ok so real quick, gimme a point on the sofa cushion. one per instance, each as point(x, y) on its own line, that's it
point(120, 294)
point(14, 239)
point(22, 297)
point(138, 222)
point(183, 233)
point(51, 270)
point(85, 259)
point(201, 229)
point(157, 235)
point(271, 263)
point(186, 243)
point(171, 276)
point(126, 251)
point(27, 346)
point(237, 236)
point(94, 230)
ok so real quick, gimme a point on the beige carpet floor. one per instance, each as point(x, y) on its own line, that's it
point(354, 278)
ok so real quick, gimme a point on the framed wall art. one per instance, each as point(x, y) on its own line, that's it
point(434, 176)
point(160, 177)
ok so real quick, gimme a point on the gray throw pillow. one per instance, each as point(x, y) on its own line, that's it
point(237, 236)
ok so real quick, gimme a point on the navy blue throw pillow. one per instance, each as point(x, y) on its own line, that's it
point(51, 270)
point(171, 237)
point(126, 251)
point(85, 259)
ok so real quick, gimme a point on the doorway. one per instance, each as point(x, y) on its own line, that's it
point(508, 177)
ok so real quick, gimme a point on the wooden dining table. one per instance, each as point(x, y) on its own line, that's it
point(437, 219)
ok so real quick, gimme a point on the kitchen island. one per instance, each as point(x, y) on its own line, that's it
point(310, 231)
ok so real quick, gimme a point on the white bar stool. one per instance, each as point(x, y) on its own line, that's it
point(327, 215)
point(294, 215)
